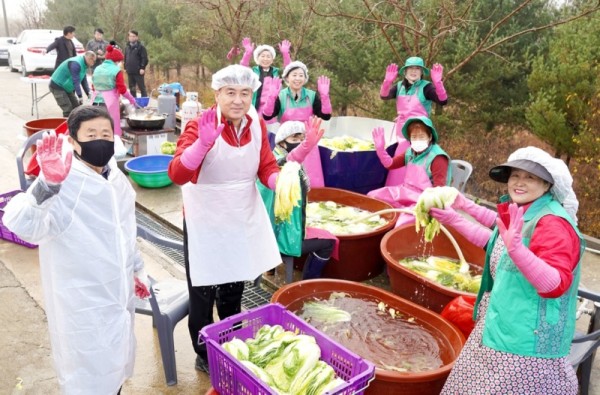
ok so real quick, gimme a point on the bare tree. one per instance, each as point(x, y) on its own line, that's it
point(117, 17)
point(32, 15)
point(422, 29)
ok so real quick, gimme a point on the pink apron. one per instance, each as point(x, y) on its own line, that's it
point(113, 106)
point(312, 163)
point(407, 194)
point(407, 106)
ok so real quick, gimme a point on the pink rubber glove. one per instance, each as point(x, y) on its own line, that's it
point(233, 52)
point(542, 276)
point(248, 51)
point(208, 132)
point(127, 95)
point(271, 88)
point(54, 167)
point(436, 77)
point(323, 88)
point(142, 284)
point(284, 48)
point(379, 140)
point(272, 182)
point(483, 215)
point(313, 134)
point(391, 72)
point(472, 231)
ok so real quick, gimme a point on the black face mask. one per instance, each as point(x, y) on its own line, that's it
point(290, 146)
point(97, 152)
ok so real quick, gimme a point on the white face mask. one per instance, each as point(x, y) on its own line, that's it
point(419, 145)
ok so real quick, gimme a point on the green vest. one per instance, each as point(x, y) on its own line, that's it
point(256, 70)
point(62, 74)
point(289, 234)
point(305, 99)
point(425, 158)
point(104, 78)
point(518, 320)
point(418, 89)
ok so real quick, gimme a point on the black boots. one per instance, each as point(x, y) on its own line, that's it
point(313, 266)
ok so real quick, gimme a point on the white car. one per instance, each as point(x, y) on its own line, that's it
point(5, 42)
point(28, 52)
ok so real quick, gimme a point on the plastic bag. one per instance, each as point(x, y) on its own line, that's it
point(460, 312)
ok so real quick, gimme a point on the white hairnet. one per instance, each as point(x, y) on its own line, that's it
point(288, 129)
point(295, 65)
point(235, 75)
point(562, 189)
point(260, 49)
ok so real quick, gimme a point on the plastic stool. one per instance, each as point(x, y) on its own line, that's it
point(168, 304)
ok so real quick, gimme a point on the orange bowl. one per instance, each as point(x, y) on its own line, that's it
point(449, 338)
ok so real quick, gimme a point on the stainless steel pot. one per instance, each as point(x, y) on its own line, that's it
point(141, 123)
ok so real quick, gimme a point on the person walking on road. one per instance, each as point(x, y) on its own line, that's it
point(64, 46)
point(136, 60)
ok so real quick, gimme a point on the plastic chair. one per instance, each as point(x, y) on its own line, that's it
point(168, 304)
point(584, 345)
point(31, 140)
point(461, 171)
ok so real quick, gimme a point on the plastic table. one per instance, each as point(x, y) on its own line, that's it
point(35, 99)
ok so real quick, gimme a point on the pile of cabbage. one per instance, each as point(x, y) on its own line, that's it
point(287, 191)
point(287, 362)
point(346, 144)
point(168, 148)
point(336, 218)
point(444, 271)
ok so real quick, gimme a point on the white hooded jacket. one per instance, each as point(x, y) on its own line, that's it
point(88, 253)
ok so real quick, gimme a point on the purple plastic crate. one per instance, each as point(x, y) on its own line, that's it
point(6, 234)
point(229, 377)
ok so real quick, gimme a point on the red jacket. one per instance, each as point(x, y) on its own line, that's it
point(180, 174)
point(555, 242)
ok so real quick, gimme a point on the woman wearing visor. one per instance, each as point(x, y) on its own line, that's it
point(526, 306)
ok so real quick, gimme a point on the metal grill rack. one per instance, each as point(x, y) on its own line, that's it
point(252, 296)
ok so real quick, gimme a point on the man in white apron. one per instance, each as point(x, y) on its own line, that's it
point(228, 238)
point(82, 216)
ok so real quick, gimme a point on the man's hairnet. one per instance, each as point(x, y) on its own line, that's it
point(562, 189)
point(288, 129)
point(235, 75)
point(260, 49)
point(293, 66)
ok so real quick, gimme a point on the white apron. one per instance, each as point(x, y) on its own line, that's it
point(230, 237)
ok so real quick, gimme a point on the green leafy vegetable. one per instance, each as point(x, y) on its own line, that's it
point(438, 197)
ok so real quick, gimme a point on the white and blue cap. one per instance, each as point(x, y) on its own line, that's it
point(235, 75)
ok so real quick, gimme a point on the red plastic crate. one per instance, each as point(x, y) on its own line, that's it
point(229, 377)
point(6, 234)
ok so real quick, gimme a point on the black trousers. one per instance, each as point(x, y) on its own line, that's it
point(228, 298)
point(137, 80)
point(323, 248)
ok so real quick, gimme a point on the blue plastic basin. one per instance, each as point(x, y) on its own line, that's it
point(149, 171)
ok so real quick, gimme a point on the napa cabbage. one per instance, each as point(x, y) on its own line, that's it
point(438, 197)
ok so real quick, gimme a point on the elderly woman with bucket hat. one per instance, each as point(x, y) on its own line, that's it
point(426, 164)
point(414, 97)
point(526, 306)
point(296, 103)
point(264, 55)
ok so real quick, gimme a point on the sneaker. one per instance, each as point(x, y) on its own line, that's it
point(201, 364)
